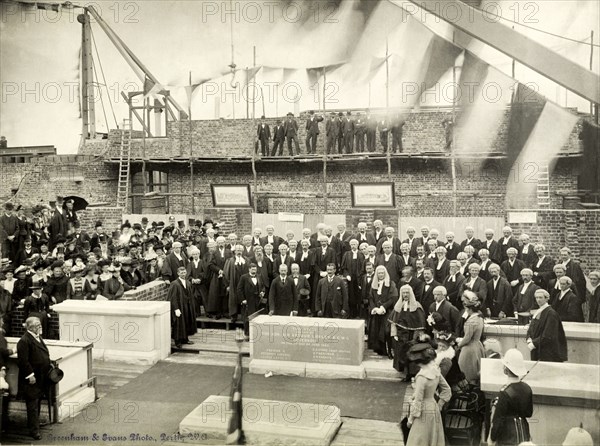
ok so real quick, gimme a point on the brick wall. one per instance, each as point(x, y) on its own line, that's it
point(422, 132)
point(153, 291)
point(18, 319)
point(47, 177)
point(577, 229)
point(111, 217)
point(238, 221)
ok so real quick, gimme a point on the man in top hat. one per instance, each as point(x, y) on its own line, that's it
point(278, 138)
point(263, 133)
point(70, 213)
point(312, 131)
point(34, 365)
point(59, 225)
point(9, 231)
point(291, 133)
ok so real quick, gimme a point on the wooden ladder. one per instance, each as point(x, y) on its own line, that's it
point(543, 187)
point(124, 164)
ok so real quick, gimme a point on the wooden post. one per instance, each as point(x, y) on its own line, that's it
point(452, 150)
point(325, 183)
point(387, 107)
point(87, 78)
point(191, 147)
point(253, 89)
point(144, 181)
point(591, 68)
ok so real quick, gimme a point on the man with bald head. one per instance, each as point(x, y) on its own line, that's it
point(452, 248)
point(363, 236)
point(391, 262)
point(508, 241)
point(34, 365)
point(271, 238)
point(526, 252)
point(378, 233)
point(412, 241)
point(492, 246)
point(471, 240)
point(390, 237)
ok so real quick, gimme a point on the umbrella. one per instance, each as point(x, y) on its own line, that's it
point(79, 203)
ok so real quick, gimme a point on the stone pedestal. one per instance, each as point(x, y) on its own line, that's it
point(75, 391)
point(564, 395)
point(582, 340)
point(128, 331)
point(263, 422)
point(310, 347)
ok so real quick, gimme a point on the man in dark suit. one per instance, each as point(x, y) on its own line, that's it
point(512, 269)
point(451, 246)
point(173, 261)
point(389, 237)
point(383, 134)
point(332, 130)
point(543, 267)
point(397, 126)
point(453, 284)
point(322, 256)
point(371, 130)
point(59, 226)
point(34, 365)
point(441, 268)
point(291, 133)
point(424, 237)
point(526, 252)
point(312, 132)
point(427, 299)
point(359, 134)
point(9, 232)
point(485, 264)
point(332, 295)
point(271, 238)
point(566, 303)
point(25, 253)
point(363, 236)
point(263, 132)
point(366, 282)
point(524, 298)
point(340, 135)
point(391, 262)
point(574, 271)
point(250, 291)
point(412, 241)
point(492, 246)
point(278, 138)
point(499, 295)
point(442, 306)
point(409, 278)
point(470, 240)
point(377, 231)
point(475, 283)
point(348, 132)
point(405, 258)
point(283, 258)
point(508, 241)
point(283, 297)
point(303, 289)
point(343, 237)
point(352, 267)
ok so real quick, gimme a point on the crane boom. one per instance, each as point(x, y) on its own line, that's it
point(528, 52)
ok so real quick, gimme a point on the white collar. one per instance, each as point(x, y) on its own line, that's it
point(539, 311)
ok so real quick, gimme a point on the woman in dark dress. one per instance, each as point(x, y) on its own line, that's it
point(382, 296)
point(408, 321)
point(513, 405)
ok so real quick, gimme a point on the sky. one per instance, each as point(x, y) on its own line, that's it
point(39, 58)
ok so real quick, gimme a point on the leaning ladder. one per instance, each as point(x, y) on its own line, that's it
point(543, 187)
point(124, 164)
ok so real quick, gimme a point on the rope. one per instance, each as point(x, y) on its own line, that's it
point(104, 80)
point(101, 99)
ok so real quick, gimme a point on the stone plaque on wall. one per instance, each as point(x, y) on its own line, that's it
point(310, 340)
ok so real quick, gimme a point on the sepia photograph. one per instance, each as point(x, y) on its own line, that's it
point(300, 222)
